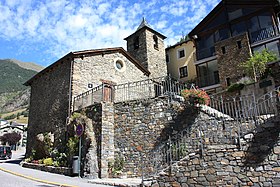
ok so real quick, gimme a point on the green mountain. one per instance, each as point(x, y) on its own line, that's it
point(13, 94)
point(13, 76)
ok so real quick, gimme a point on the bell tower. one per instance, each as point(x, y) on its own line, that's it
point(147, 46)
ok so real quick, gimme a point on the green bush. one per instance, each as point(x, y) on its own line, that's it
point(48, 161)
point(72, 146)
point(13, 116)
point(235, 87)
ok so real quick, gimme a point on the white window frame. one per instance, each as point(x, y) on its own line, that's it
point(180, 72)
point(178, 53)
point(123, 63)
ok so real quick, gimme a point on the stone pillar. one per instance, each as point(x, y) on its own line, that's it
point(275, 72)
point(107, 137)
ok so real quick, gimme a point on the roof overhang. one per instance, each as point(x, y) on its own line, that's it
point(80, 54)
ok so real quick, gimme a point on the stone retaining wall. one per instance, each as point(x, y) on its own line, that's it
point(256, 163)
point(140, 127)
point(51, 169)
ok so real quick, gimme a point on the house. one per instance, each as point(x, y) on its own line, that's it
point(3, 122)
point(180, 61)
point(229, 35)
point(54, 88)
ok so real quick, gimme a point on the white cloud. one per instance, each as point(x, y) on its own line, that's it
point(62, 26)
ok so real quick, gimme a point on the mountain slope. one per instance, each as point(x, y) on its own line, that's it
point(13, 76)
point(13, 94)
point(26, 65)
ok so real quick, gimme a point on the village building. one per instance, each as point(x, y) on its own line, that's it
point(180, 60)
point(229, 35)
point(53, 89)
point(136, 124)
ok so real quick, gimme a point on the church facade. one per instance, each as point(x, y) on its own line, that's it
point(54, 88)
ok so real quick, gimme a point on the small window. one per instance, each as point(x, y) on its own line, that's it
point(136, 42)
point(239, 45)
point(155, 41)
point(90, 85)
point(119, 64)
point(167, 58)
point(223, 49)
point(228, 81)
point(181, 53)
point(183, 71)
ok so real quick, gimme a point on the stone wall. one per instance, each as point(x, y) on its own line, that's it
point(94, 69)
point(138, 128)
point(228, 63)
point(107, 138)
point(152, 58)
point(275, 71)
point(142, 126)
point(49, 104)
point(140, 53)
point(156, 56)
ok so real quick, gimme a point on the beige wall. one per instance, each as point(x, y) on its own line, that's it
point(174, 63)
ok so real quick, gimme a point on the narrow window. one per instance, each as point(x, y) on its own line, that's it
point(223, 49)
point(167, 58)
point(136, 42)
point(228, 81)
point(239, 45)
point(155, 41)
point(181, 53)
point(183, 71)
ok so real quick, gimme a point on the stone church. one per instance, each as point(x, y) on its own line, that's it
point(54, 88)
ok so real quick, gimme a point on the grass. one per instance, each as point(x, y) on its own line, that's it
point(21, 119)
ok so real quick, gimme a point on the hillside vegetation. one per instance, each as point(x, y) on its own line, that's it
point(13, 94)
point(13, 76)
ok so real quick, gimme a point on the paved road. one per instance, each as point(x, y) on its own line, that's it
point(13, 175)
point(9, 180)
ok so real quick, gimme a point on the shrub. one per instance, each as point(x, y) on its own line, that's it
point(72, 146)
point(48, 161)
point(11, 138)
point(196, 96)
point(235, 87)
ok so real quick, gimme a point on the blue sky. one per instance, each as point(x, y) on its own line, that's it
point(43, 31)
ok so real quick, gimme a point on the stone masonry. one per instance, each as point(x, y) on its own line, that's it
point(49, 109)
point(107, 138)
point(150, 54)
point(228, 64)
point(94, 69)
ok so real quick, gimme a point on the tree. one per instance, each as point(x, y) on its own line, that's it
point(255, 66)
point(10, 138)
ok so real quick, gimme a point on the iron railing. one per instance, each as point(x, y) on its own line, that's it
point(149, 88)
point(145, 89)
point(233, 118)
point(88, 98)
point(265, 33)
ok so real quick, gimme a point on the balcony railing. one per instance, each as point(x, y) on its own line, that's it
point(205, 53)
point(263, 34)
point(208, 80)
